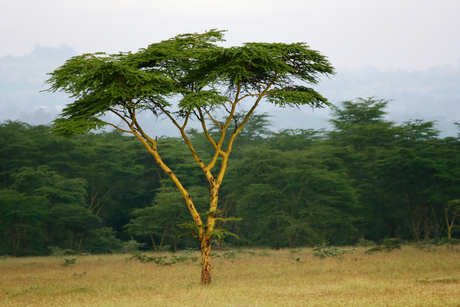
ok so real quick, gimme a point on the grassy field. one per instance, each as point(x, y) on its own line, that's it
point(406, 277)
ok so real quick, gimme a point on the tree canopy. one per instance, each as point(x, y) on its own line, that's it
point(191, 69)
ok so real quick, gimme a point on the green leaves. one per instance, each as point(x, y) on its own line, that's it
point(295, 96)
point(102, 83)
point(190, 68)
point(209, 98)
point(387, 246)
point(254, 64)
point(221, 234)
point(22, 221)
point(76, 125)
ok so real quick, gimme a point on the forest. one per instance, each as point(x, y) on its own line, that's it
point(365, 178)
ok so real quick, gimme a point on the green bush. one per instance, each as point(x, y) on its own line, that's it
point(387, 246)
point(425, 246)
point(163, 260)
point(325, 251)
point(137, 255)
point(449, 243)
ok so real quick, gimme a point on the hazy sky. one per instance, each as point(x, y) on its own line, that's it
point(407, 34)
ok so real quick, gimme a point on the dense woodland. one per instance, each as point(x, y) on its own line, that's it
point(367, 178)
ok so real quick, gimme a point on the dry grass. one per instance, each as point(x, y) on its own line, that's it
point(406, 277)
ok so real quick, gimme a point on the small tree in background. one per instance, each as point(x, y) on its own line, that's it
point(184, 78)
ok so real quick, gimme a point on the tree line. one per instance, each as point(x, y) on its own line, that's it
point(366, 178)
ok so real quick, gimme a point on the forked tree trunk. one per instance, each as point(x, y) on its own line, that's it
point(206, 267)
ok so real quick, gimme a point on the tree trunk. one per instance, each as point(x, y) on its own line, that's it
point(449, 232)
point(427, 226)
point(16, 247)
point(206, 267)
point(414, 227)
point(154, 245)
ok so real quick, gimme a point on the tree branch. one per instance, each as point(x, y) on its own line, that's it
point(206, 132)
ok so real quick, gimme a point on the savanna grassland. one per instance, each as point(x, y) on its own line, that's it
point(406, 277)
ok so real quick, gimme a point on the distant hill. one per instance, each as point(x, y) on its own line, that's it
point(21, 80)
point(431, 94)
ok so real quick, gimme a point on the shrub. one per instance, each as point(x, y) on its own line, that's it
point(324, 251)
point(425, 246)
point(449, 243)
point(163, 260)
point(137, 255)
point(387, 246)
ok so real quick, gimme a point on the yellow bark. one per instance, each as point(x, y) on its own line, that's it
point(206, 267)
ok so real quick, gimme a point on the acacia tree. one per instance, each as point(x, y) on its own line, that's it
point(184, 78)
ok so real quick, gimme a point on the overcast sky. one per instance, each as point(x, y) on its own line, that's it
point(405, 34)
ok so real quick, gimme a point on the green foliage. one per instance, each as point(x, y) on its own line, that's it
point(325, 251)
point(188, 65)
point(74, 222)
point(22, 223)
point(450, 243)
point(221, 234)
point(387, 246)
point(43, 181)
point(19, 147)
point(162, 221)
point(425, 246)
point(103, 241)
point(305, 196)
point(137, 255)
point(131, 246)
point(163, 260)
